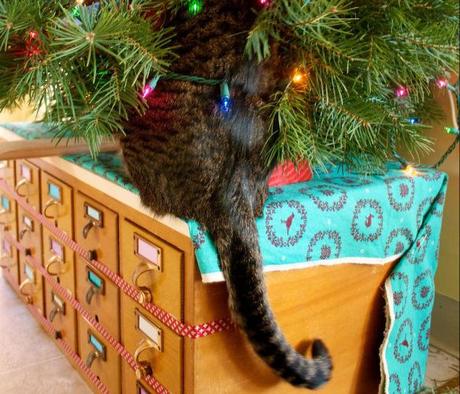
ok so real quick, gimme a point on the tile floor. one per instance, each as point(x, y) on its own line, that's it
point(31, 363)
point(442, 372)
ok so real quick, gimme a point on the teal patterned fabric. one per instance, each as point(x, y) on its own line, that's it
point(336, 218)
point(341, 217)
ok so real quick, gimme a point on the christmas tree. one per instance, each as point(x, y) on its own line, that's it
point(359, 74)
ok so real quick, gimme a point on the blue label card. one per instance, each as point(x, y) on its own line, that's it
point(95, 280)
point(93, 213)
point(54, 191)
point(6, 203)
point(97, 344)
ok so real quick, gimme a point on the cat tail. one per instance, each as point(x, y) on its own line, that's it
point(237, 243)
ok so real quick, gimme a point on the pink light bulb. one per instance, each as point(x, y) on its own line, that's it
point(147, 91)
point(401, 91)
point(264, 3)
point(33, 34)
point(442, 82)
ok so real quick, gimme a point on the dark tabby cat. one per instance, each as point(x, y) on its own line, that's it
point(190, 161)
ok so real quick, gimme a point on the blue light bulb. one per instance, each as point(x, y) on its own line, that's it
point(414, 120)
point(225, 104)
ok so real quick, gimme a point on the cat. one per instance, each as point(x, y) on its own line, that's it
point(190, 160)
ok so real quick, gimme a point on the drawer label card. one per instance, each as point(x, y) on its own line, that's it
point(147, 251)
point(94, 214)
point(57, 248)
point(95, 280)
point(149, 329)
point(97, 344)
point(7, 249)
point(6, 203)
point(29, 272)
point(26, 172)
point(54, 191)
point(28, 222)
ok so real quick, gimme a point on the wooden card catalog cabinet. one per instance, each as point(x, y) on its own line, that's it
point(152, 266)
point(99, 356)
point(28, 182)
point(56, 201)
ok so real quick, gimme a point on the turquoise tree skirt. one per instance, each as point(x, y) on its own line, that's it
point(341, 217)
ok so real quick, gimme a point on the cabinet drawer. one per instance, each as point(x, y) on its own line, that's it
point(163, 349)
point(58, 261)
point(28, 182)
point(99, 356)
point(8, 213)
point(8, 253)
point(7, 171)
point(62, 316)
point(31, 284)
point(56, 201)
point(30, 233)
point(99, 296)
point(153, 266)
point(9, 258)
point(96, 229)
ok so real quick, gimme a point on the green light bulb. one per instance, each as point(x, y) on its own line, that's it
point(452, 130)
point(195, 7)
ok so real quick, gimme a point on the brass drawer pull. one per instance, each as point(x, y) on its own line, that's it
point(55, 260)
point(54, 312)
point(91, 358)
point(23, 233)
point(88, 227)
point(48, 205)
point(145, 295)
point(27, 284)
point(19, 186)
point(92, 291)
point(144, 367)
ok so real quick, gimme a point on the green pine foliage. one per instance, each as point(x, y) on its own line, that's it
point(354, 53)
point(88, 64)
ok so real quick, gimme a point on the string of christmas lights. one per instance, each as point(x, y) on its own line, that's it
point(334, 106)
